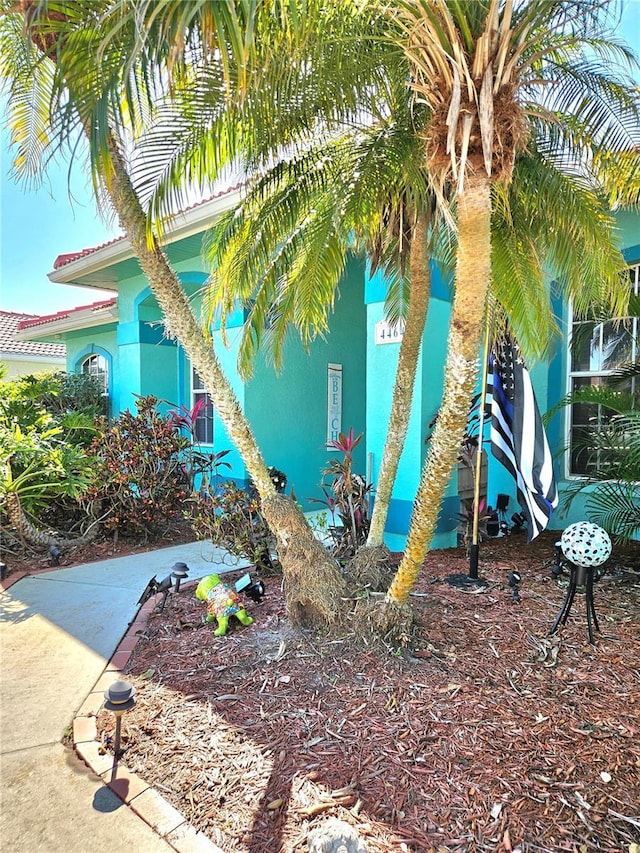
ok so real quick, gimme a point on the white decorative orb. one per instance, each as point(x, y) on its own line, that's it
point(585, 544)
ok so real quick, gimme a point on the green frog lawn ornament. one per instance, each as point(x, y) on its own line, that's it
point(222, 602)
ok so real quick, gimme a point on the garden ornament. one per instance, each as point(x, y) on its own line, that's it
point(584, 546)
point(222, 602)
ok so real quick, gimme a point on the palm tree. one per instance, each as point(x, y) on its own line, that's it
point(274, 213)
point(482, 67)
point(97, 91)
point(283, 251)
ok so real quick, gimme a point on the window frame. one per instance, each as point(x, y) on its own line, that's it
point(199, 391)
point(574, 376)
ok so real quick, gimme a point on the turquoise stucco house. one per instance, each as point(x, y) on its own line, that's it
point(344, 381)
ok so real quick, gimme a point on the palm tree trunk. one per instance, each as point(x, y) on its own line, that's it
point(28, 532)
point(313, 583)
point(405, 379)
point(473, 272)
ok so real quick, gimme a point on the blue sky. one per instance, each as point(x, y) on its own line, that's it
point(37, 226)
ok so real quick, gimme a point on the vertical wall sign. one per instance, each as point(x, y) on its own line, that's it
point(334, 403)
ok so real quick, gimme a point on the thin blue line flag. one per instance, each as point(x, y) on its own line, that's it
point(518, 439)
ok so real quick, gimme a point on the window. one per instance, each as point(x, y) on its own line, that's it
point(203, 425)
point(96, 366)
point(598, 350)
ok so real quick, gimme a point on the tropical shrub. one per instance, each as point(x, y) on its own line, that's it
point(232, 518)
point(44, 466)
point(347, 497)
point(611, 457)
point(139, 483)
point(200, 467)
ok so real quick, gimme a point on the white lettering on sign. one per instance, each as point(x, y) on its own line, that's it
point(334, 403)
point(386, 333)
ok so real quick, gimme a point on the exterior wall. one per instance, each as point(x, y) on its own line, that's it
point(382, 360)
point(288, 411)
point(20, 365)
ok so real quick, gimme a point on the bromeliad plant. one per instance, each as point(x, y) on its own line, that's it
point(347, 496)
point(200, 467)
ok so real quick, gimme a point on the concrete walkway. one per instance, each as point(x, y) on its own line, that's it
point(58, 631)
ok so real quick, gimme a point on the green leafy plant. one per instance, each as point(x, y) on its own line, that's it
point(610, 454)
point(140, 483)
point(231, 518)
point(347, 497)
point(200, 467)
point(44, 466)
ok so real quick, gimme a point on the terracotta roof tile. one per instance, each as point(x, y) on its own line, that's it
point(29, 321)
point(10, 322)
point(64, 259)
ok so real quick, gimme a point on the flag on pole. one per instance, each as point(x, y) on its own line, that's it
point(518, 438)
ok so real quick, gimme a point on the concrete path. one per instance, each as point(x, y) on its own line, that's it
point(58, 631)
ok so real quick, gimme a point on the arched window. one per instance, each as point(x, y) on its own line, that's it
point(96, 366)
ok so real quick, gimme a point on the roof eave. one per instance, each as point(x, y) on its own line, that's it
point(185, 225)
point(78, 321)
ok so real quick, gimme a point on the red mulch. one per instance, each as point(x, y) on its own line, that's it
point(483, 734)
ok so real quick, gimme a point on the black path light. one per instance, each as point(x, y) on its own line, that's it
point(179, 571)
point(119, 699)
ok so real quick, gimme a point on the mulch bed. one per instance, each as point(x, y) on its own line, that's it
point(482, 734)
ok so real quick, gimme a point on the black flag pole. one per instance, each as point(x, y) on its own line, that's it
point(474, 552)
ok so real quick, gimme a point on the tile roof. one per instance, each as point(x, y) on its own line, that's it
point(10, 322)
point(29, 321)
point(64, 259)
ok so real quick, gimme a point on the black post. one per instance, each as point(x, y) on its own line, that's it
point(473, 560)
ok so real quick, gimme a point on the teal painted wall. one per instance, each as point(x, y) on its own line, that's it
point(288, 412)
point(382, 360)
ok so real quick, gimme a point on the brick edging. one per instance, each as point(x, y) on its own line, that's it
point(134, 791)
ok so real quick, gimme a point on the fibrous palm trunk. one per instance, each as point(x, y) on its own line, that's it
point(473, 271)
point(313, 583)
point(370, 564)
point(405, 378)
point(29, 533)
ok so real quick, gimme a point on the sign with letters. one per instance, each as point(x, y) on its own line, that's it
point(334, 403)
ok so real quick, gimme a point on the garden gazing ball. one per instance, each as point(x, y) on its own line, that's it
point(585, 544)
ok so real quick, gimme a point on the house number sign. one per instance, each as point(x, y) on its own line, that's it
point(386, 333)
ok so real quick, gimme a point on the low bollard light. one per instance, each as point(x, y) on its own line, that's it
point(119, 699)
point(179, 572)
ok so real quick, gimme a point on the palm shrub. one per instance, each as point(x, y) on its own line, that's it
point(139, 482)
point(44, 467)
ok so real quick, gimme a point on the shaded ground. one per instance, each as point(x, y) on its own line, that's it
point(483, 734)
point(20, 557)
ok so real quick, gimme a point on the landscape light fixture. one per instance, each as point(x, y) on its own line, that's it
point(583, 548)
point(3, 571)
point(119, 699)
point(179, 571)
point(155, 586)
point(514, 580)
point(253, 590)
point(55, 553)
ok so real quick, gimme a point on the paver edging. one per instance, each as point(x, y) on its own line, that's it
point(144, 800)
